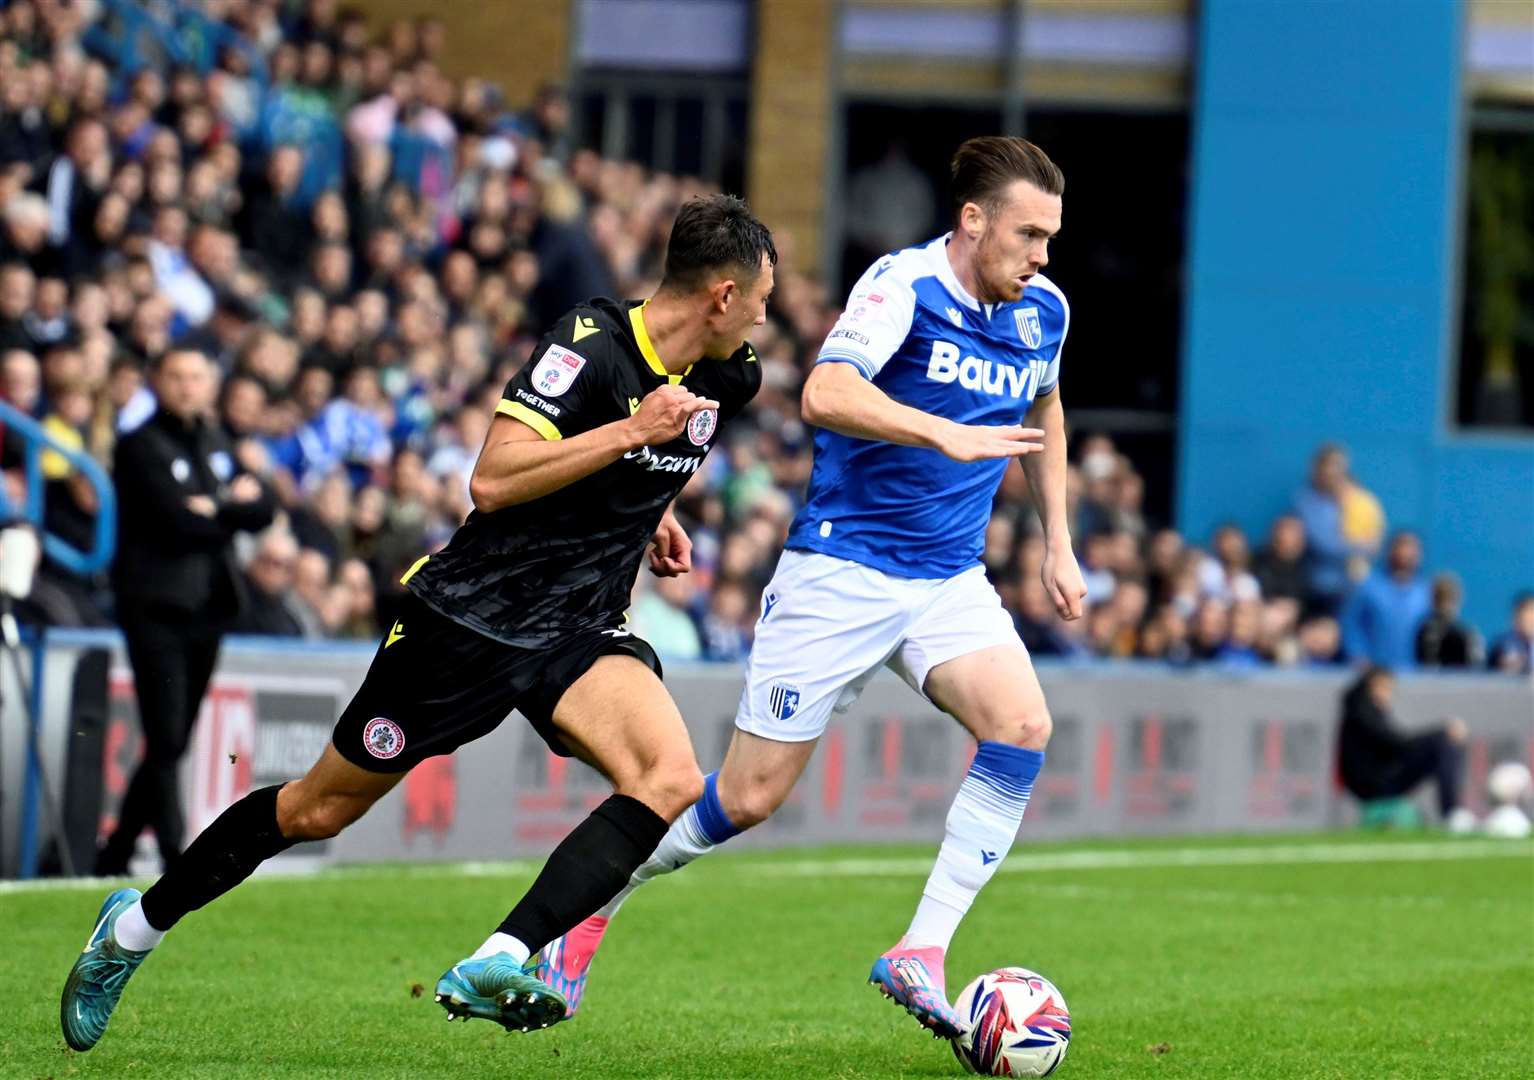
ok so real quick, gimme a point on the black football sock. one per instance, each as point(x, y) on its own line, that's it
point(586, 870)
point(225, 854)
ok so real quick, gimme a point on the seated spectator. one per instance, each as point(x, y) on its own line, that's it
point(1211, 629)
point(1513, 652)
point(1240, 648)
point(1040, 627)
point(726, 626)
point(1280, 565)
point(317, 606)
point(1165, 637)
point(1381, 617)
point(1096, 571)
point(661, 615)
point(269, 583)
point(18, 285)
point(1377, 760)
point(1320, 641)
point(1224, 576)
point(1444, 639)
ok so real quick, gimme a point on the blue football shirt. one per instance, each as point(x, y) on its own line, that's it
point(917, 334)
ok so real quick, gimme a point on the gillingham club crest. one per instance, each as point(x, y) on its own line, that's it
point(701, 425)
point(557, 370)
point(783, 700)
point(383, 738)
point(1028, 327)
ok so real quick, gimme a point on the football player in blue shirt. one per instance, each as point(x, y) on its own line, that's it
point(944, 367)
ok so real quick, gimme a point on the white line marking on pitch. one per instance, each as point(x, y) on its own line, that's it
point(1234, 898)
point(1022, 862)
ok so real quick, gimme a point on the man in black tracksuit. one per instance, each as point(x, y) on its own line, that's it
point(181, 498)
point(1377, 760)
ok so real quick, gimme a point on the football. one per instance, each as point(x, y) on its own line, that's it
point(1018, 1024)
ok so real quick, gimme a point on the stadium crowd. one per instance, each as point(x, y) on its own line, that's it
point(367, 250)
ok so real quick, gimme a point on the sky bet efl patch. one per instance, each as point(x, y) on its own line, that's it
point(557, 370)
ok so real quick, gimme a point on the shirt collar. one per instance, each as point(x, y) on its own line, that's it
point(937, 255)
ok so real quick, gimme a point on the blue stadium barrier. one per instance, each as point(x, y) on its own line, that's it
point(81, 563)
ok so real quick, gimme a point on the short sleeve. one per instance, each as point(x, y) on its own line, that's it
point(741, 384)
point(875, 322)
point(559, 380)
point(1051, 377)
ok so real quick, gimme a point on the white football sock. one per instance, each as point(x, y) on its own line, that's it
point(683, 843)
point(982, 823)
point(132, 930)
point(702, 827)
point(503, 943)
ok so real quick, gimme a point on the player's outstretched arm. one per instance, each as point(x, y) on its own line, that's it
point(838, 397)
point(517, 465)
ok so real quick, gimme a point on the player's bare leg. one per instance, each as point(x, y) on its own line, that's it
point(332, 795)
point(755, 779)
point(995, 694)
point(618, 718)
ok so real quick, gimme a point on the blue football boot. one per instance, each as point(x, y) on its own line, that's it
point(96, 981)
point(498, 988)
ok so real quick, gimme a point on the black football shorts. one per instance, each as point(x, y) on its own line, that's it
point(435, 685)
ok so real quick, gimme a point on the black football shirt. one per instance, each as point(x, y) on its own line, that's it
point(530, 573)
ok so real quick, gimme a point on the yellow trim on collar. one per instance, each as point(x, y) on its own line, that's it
point(535, 420)
point(647, 348)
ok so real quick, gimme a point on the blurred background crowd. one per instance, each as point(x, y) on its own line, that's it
point(368, 249)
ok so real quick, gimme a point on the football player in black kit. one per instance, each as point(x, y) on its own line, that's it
point(524, 609)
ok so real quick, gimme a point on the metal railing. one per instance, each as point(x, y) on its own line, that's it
point(38, 441)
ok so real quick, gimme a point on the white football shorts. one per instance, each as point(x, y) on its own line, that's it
point(827, 625)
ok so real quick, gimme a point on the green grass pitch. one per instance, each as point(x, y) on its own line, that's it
point(1336, 956)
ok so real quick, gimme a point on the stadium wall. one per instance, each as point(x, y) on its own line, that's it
point(1323, 284)
point(1137, 750)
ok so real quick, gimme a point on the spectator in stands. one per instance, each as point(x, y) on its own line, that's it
point(1444, 639)
point(1280, 565)
point(273, 222)
point(662, 617)
point(725, 629)
point(1376, 760)
point(17, 287)
point(1513, 652)
point(1225, 575)
point(75, 183)
point(1038, 625)
point(1342, 527)
point(269, 580)
point(25, 238)
point(1381, 617)
point(1240, 647)
point(1320, 642)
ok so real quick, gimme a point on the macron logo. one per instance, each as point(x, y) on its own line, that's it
point(988, 857)
point(988, 376)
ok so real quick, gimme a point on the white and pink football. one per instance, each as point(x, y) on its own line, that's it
point(1018, 1024)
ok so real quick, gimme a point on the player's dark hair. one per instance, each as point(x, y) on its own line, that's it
point(714, 233)
point(985, 167)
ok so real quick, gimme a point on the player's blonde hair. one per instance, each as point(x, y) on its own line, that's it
point(983, 169)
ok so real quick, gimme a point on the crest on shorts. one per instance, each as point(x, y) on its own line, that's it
point(701, 425)
point(557, 370)
point(383, 738)
point(1028, 327)
point(783, 700)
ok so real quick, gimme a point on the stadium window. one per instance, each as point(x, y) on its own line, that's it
point(1495, 372)
point(693, 125)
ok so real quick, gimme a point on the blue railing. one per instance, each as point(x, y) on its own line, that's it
point(66, 555)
